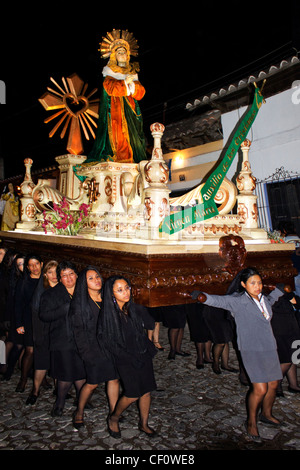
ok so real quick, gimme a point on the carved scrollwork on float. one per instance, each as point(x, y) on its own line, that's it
point(92, 188)
point(232, 250)
point(156, 172)
point(44, 196)
point(148, 208)
point(226, 196)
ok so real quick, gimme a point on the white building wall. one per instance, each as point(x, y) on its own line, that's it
point(275, 135)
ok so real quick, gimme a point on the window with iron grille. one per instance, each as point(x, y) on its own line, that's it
point(278, 199)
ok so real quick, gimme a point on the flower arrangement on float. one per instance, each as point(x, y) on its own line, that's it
point(61, 220)
point(275, 236)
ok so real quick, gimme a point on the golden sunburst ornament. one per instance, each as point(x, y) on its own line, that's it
point(77, 111)
point(117, 38)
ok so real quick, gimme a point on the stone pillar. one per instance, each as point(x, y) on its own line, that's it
point(28, 210)
point(156, 203)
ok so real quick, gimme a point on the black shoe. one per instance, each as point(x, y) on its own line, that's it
point(199, 366)
point(6, 377)
point(56, 412)
point(230, 369)
point(254, 438)
point(31, 399)
point(265, 420)
point(114, 434)
point(171, 355)
point(21, 387)
point(181, 353)
point(149, 434)
point(216, 369)
point(77, 423)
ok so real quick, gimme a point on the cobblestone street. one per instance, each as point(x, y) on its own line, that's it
point(192, 410)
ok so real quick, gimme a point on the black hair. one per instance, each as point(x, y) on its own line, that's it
point(15, 273)
point(8, 259)
point(28, 257)
point(110, 329)
point(80, 300)
point(247, 273)
point(65, 265)
point(242, 276)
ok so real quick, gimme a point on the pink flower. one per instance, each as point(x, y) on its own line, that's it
point(85, 209)
point(64, 204)
point(62, 219)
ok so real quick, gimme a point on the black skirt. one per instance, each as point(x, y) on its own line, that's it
point(66, 366)
point(41, 357)
point(135, 368)
point(156, 313)
point(219, 323)
point(284, 348)
point(174, 316)
point(136, 381)
point(100, 371)
point(199, 332)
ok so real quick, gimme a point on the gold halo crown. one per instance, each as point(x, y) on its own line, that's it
point(118, 38)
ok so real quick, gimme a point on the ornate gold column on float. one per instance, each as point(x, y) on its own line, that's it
point(27, 207)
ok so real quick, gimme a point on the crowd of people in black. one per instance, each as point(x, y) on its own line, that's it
point(83, 331)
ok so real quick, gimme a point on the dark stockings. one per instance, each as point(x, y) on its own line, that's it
point(13, 358)
point(112, 390)
point(203, 352)
point(290, 371)
point(175, 338)
point(221, 350)
point(63, 389)
point(292, 377)
point(217, 351)
point(124, 402)
point(27, 362)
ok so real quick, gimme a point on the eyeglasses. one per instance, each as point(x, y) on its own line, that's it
point(120, 291)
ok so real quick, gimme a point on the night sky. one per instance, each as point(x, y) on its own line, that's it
point(183, 54)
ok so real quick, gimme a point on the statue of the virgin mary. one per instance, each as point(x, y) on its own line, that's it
point(120, 135)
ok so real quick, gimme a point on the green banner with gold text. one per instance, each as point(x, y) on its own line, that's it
point(207, 209)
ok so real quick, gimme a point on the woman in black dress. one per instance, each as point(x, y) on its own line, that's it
point(286, 330)
point(41, 354)
point(221, 330)
point(14, 345)
point(23, 313)
point(66, 366)
point(174, 318)
point(121, 331)
point(83, 318)
point(199, 334)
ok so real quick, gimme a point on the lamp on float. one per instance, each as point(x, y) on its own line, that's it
point(178, 158)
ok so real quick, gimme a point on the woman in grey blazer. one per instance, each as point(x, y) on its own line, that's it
point(252, 312)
